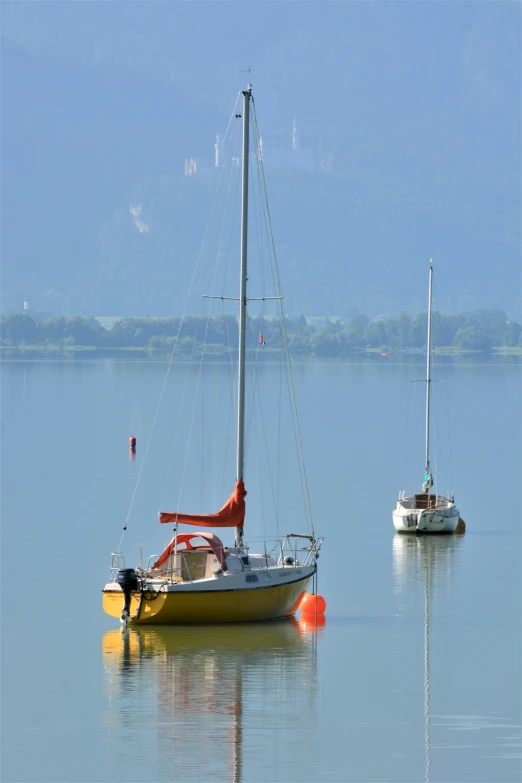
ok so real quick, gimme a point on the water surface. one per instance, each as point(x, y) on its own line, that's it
point(416, 673)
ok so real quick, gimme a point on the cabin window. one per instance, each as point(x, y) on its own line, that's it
point(251, 577)
point(264, 577)
point(198, 541)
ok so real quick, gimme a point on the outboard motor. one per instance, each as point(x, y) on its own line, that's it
point(128, 581)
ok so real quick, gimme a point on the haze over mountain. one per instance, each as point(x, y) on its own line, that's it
point(408, 117)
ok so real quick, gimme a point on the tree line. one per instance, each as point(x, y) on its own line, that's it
point(480, 330)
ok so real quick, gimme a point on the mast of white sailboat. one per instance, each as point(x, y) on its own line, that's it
point(428, 384)
point(247, 94)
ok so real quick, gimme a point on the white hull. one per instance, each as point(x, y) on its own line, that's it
point(425, 514)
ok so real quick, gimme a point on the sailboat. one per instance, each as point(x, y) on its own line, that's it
point(426, 511)
point(197, 578)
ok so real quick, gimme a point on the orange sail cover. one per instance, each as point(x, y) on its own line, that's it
point(231, 515)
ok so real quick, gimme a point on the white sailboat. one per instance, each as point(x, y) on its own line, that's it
point(426, 511)
point(198, 578)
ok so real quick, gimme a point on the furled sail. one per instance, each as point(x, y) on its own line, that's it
point(231, 515)
point(428, 482)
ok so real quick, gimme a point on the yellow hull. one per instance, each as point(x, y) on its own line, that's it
point(211, 606)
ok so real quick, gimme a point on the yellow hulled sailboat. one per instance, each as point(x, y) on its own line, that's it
point(197, 578)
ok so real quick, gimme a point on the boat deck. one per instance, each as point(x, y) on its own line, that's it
point(422, 501)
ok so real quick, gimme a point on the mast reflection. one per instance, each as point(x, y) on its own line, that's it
point(424, 563)
point(201, 690)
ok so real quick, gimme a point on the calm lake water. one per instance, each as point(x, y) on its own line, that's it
point(415, 675)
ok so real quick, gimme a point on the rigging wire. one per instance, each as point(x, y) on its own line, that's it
point(262, 203)
point(230, 361)
point(253, 372)
point(405, 440)
point(285, 337)
point(224, 178)
point(213, 288)
point(271, 481)
point(227, 256)
point(261, 494)
point(447, 462)
point(258, 322)
point(234, 112)
point(233, 387)
point(278, 472)
point(264, 200)
point(202, 481)
point(252, 384)
point(255, 390)
point(167, 373)
point(450, 450)
point(178, 420)
point(287, 367)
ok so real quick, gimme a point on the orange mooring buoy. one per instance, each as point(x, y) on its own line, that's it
point(132, 442)
point(312, 604)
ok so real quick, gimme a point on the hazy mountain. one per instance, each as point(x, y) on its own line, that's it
point(409, 128)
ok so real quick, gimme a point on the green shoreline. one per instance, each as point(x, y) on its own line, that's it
point(70, 351)
point(482, 332)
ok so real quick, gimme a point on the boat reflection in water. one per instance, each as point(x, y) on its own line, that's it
point(423, 564)
point(200, 702)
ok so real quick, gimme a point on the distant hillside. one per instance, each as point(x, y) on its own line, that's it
point(415, 109)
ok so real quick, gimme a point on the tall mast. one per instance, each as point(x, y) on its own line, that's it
point(247, 95)
point(428, 379)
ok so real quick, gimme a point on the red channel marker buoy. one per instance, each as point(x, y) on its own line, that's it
point(132, 442)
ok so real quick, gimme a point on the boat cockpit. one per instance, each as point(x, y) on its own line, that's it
point(422, 501)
